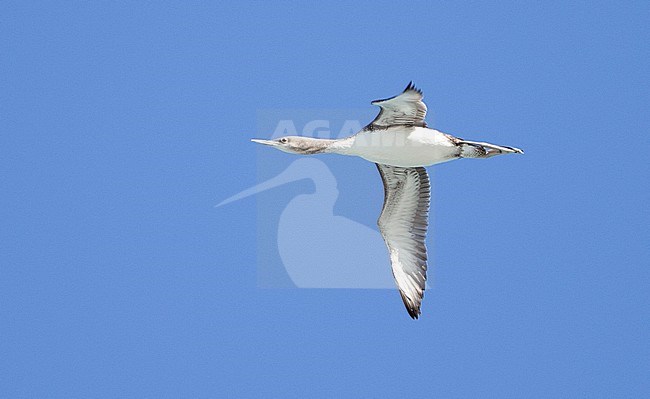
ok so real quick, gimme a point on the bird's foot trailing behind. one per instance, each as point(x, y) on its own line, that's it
point(476, 149)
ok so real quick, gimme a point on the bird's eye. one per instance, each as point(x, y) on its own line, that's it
point(283, 140)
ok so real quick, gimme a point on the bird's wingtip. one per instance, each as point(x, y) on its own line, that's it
point(413, 308)
point(414, 313)
point(411, 87)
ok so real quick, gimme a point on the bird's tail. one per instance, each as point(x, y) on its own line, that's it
point(476, 149)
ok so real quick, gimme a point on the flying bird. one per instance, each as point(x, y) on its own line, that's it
point(399, 142)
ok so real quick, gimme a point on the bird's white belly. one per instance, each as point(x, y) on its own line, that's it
point(406, 147)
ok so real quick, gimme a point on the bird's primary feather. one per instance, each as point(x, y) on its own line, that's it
point(403, 224)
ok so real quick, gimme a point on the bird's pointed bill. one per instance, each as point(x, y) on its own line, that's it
point(265, 142)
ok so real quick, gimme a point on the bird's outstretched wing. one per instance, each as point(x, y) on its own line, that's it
point(403, 224)
point(406, 109)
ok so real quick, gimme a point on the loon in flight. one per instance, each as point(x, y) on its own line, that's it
point(399, 142)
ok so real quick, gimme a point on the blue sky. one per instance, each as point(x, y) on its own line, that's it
point(123, 124)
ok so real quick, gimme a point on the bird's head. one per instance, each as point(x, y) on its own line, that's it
point(296, 144)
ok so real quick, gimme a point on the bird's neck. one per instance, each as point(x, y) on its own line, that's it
point(340, 146)
point(323, 146)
